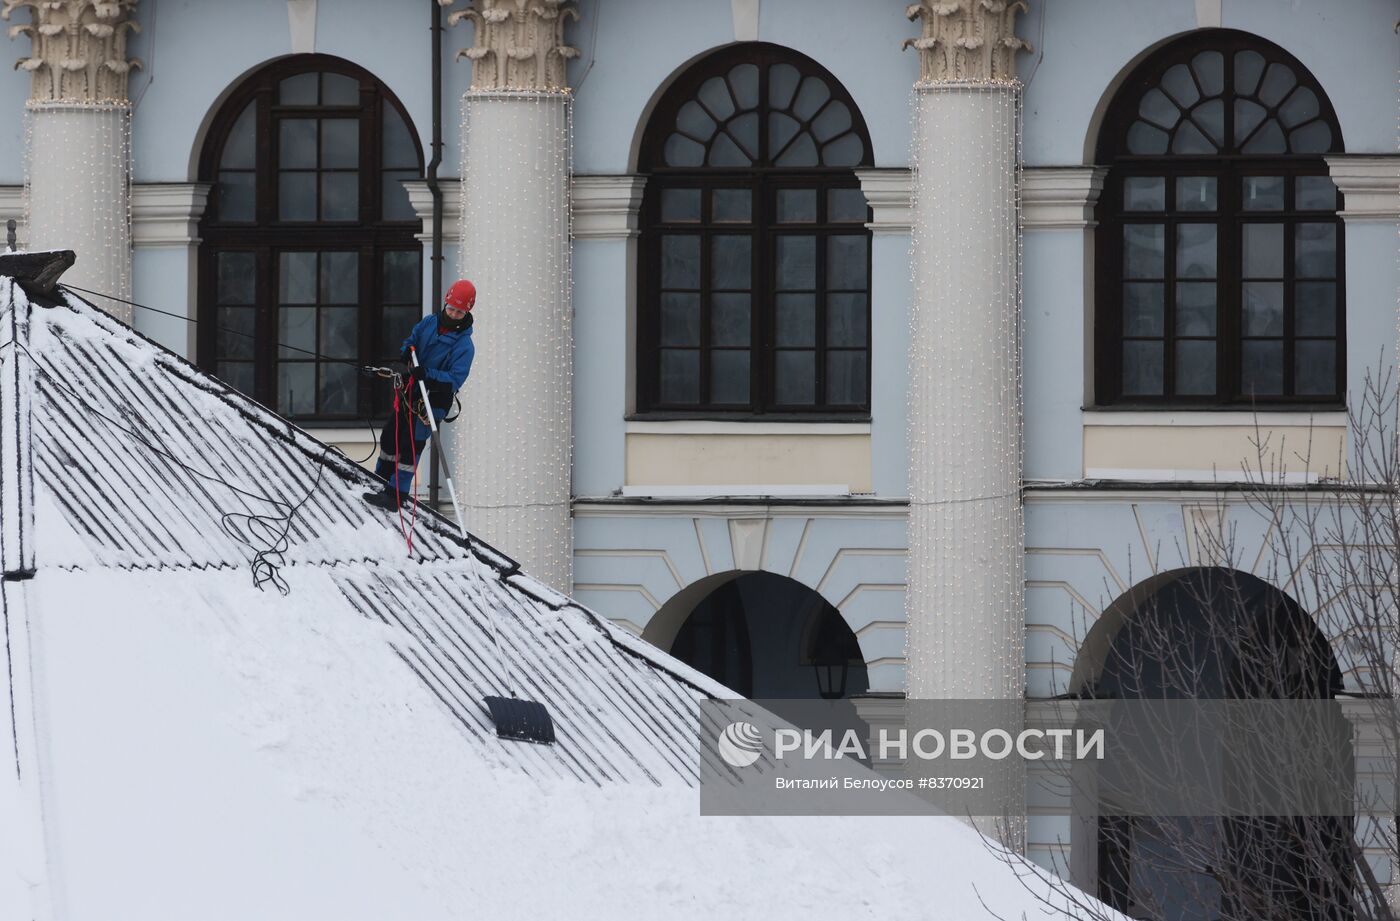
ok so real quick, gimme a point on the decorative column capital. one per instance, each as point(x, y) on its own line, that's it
point(967, 41)
point(78, 53)
point(519, 44)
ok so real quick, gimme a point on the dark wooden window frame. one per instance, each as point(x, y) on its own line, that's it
point(267, 236)
point(1230, 170)
point(763, 181)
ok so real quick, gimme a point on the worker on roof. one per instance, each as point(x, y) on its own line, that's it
point(443, 343)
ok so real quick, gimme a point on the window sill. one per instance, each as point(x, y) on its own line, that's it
point(337, 432)
point(755, 427)
point(1214, 416)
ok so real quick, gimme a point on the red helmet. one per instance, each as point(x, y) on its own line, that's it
point(462, 295)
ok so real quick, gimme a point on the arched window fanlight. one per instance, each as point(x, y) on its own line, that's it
point(755, 279)
point(1219, 247)
point(724, 124)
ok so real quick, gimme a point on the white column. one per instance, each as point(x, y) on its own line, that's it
point(965, 527)
point(965, 609)
point(512, 449)
point(78, 176)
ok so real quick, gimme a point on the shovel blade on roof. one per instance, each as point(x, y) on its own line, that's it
point(521, 720)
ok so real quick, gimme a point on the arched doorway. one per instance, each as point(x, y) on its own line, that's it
point(1211, 634)
point(768, 636)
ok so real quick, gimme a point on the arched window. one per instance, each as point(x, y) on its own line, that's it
point(1219, 248)
point(308, 240)
point(755, 278)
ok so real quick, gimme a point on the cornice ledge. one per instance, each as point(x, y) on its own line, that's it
point(1060, 197)
point(887, 189)
point(167, 213)
point(422, 201)
point(1370, 185)
point(606, 207)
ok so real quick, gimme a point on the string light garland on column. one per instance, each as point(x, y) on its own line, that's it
point(77, 190)
point(514, 444)
point(965, 601)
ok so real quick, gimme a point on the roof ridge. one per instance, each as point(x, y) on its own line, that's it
point(274, 424)
point(507, 570)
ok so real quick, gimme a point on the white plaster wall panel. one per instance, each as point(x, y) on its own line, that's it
point(783, 539)
point(886, 676)
point(1054, 359)
point(882, 641)
point(649, 572)
point(1082, 574)
point(641, 44)
point(1048, 830)
point(1048, 789)
point(600, 365)
point(624, 605)
point(890, 295)
point(715, 543)
point(1108, 529)
point(1047, 843)
point(853, 568)
point(673, 537)
point(746, 540)
point(873, 606)
point(1121, 530)
point(827, 537)
point(1049, 661)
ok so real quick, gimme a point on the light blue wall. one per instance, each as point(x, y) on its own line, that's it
point(1372, 279)
point(14, 90)
point(889, 372)
point(158, 276)
point(628, 566)
point(1053, 309)
point(600, 366)
point(1087, 44)
point(641, 44)
point(1350, 47)
point(196, 51)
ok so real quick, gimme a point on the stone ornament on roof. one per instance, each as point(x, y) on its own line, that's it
point(78, 52)
point(967, 41)
point(519, 44)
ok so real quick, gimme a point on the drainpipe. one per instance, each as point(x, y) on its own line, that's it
point(434, 474)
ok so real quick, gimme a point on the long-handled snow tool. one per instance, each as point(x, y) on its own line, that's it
point(520, 720)
point(441, 455)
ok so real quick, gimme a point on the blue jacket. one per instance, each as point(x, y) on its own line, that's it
point(445, 357)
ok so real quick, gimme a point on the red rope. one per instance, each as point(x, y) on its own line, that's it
point(413, 445)
point(400, 409)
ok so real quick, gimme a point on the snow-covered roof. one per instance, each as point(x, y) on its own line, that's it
point(188, 745)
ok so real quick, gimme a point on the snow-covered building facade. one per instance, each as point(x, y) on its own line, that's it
point(192, 731)
point(835, 347)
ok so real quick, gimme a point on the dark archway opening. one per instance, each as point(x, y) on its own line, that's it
point(768, 636)
point(1218, 634)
